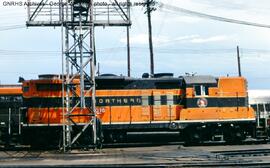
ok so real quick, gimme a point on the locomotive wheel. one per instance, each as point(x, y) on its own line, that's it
point(234, 135)
point(1, 141)
point(117, 136)
point(122, 136)
point(5, 138)
point(192, 136)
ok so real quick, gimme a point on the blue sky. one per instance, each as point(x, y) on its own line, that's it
point(182, 43)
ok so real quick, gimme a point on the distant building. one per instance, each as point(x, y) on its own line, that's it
point(259, 96)
point(260, 101)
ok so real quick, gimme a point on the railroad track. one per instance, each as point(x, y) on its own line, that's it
point(153, 165)
point(165, 158)
point(135, 144)
point(230, 164)
point(244, 153)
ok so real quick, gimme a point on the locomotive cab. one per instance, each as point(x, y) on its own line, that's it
point(217, 108)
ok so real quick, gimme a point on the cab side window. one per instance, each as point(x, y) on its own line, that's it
point(197, 90)
point(201, 90)
point(25, 88)
point(206, 90)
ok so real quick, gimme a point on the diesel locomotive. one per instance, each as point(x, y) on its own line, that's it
point(200, 108)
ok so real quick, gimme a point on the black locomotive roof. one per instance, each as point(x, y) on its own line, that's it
point(200, 80)
point(122, 82)
point(161, 81)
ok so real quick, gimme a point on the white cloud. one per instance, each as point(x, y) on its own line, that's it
point(211, 39)
point(142, 39)
point(187, 19)
point(185, 38)
point(172, 17)
point(180, 39)
point(113, 63)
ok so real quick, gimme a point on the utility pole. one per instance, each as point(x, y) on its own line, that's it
point(128, 52)
point(98, 69)
point(149, 9)
point(128, 40)
point(239, 62)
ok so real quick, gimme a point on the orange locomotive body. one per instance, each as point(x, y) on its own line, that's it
point(199, 107)
point(43, 99)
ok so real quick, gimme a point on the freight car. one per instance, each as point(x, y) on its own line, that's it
point(198, 107)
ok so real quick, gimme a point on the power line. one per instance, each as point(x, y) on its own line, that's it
point(35, 54)
point(211, 17)
point(11, 27)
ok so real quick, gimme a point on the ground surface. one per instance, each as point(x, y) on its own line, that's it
point(151, 156)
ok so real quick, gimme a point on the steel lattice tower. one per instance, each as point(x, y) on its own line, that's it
point(78, 19)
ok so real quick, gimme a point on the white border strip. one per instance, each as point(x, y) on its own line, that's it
point(155, 122)
point(179, 121)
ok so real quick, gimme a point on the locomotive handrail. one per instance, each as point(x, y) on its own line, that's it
point(4, 86)
point(236, 93)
